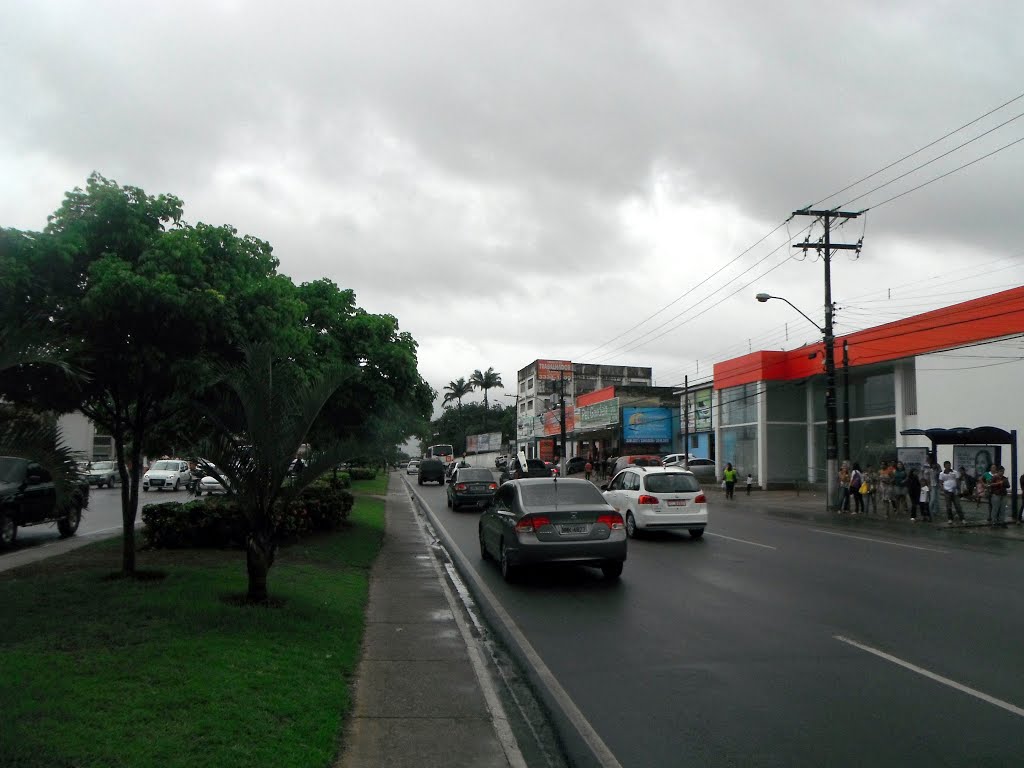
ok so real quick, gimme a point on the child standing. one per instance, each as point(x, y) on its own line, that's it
point(924, 498)
point(750, 482)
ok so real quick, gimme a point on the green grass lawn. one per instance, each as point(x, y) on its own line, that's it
point(101, 671)
point(378, 486)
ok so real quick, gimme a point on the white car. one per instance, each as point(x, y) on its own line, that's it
point(658, 499)
point(676, 459)
point(211, 485)
point(169, 474)
point(413, 468)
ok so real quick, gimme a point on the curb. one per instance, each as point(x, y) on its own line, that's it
point(582, 744)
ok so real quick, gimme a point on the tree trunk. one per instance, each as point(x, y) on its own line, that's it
point(129, 504)
point(259, 556)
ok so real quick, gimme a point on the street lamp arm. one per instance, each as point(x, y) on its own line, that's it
point(763, 297)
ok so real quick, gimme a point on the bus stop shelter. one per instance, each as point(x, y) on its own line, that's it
point(975, 436)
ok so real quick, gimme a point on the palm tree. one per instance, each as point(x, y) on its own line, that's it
point(456, 390)
point(489, 379)
point(260, 424)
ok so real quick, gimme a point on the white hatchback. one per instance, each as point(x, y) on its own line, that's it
point(658, 499)
point(169, 474)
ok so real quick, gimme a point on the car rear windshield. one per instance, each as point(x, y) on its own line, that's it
point(553, 494)
point(671, 482)
point(103, 465)
point(647, 461)
point(12, 470)
point(475, 475)
point(536, 464)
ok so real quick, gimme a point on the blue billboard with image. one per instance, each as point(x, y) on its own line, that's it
point(647, 425)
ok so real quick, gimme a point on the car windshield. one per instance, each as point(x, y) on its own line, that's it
point(165, 465)
point(475, 474)
point(12, 470)
point(102, 466)
point(671, 482)
point(561, 492)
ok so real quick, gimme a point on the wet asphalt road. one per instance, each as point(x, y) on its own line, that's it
point(781, 642)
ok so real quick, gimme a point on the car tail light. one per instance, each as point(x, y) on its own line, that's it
point(613, 520)
point(647, 499)
point(460, 487)
point(492, 487)
point(700, 499)
point(532, 523)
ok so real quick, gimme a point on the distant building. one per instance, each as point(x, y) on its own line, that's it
point(82, 436)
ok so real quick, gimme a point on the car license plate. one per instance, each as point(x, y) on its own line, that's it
point(477, 487)
point(571, 529)
point(677, 502)
point(156, 483)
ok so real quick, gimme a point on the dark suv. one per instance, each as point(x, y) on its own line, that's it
point(431, 471)
point(514, 470)
point(28, 496)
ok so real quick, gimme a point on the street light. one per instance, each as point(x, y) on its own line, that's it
point(831, 448)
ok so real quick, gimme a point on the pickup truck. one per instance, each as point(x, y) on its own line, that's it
point(28, 496)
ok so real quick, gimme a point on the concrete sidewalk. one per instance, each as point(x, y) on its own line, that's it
point(422, 696)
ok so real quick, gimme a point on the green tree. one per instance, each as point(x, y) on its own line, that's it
point(261, 421)
point(484, 381)
point(146, 300)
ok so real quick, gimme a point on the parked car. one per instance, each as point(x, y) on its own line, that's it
point(676, 459)
point(500, 461)
point(706, 470)
point(640, 460)
point(658, 498)
point(544, 521)
point(431, 471)
point(28, 496)
point(552, 468)
point(575, 465)
point(413, 467)
point(101, 473)
point(169, 474)
point(471, 487)
point(514, 470)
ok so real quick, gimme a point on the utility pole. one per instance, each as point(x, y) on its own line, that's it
point(846, 401)
point(686, 422)
point(825, 249)
point(561, 453)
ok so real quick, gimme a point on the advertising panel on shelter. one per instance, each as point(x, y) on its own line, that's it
point(976, 459)
point(647, 425)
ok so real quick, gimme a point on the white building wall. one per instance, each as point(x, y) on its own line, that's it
point(971, 387)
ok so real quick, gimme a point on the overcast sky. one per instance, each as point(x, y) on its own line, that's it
point(520, 180)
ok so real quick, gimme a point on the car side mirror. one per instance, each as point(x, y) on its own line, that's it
point(604, 487)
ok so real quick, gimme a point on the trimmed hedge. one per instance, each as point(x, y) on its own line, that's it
point(362, 473)
point(218, 522)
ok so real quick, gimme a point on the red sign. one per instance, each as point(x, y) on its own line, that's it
point(553, 424)
point(597, 396)
point(546, 448)
point(552, 370)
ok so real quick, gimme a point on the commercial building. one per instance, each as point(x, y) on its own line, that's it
point(959, 366)
point(607, 407)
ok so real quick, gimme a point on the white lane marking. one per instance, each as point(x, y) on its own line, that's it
point(882, 541)
point(932, 676)
point(742, 541)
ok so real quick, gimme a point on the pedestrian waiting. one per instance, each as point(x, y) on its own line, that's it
point(951, 491)
point(998, 487)
point(729, 477)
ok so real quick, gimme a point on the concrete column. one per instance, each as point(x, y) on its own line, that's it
point(762, 435)
point(812, 453)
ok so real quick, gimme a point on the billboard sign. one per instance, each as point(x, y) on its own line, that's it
point(491, 441)
point(647, 425)
point(553, 424)
point(976, 459)
point(699, 410)
point(552, 370)
point(602, 414)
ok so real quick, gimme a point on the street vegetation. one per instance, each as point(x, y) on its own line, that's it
point(180, 672)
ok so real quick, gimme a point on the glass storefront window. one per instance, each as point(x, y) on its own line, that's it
point(739, 447)
point(739, 404)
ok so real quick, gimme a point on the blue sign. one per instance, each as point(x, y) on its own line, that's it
point(647, 425)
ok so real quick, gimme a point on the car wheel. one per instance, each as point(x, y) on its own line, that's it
point(419, 481)
point(630, 525)
point(612, 571)
point(449, 502)
point(696, 533)
point(176, 484)
point(508, 571)
point(68, 525)
point(145, 489)
point(8, 530)
point(484, 554)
